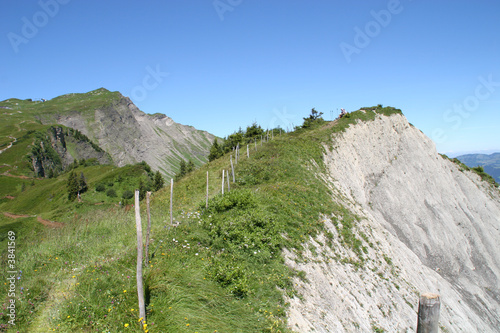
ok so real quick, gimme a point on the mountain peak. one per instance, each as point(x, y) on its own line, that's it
point(113, 122)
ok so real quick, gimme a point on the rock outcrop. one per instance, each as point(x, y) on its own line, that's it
point(428, 226)
point(49, 153)
point(130, 135)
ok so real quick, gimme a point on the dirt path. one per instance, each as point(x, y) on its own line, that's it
point(51, 224)
point(15, 216)
point(10, 144)
point(6, 173)
point(47, 223)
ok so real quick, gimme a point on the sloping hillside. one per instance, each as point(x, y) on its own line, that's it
point(131, 136)
point(432, 228)
point(337, 227)
point(113, 123)
point(490, 163)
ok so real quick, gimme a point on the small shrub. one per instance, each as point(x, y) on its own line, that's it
point(478, 169)
point(127, 194)
point(100, 187)
point(240, 199)
point(111, 193)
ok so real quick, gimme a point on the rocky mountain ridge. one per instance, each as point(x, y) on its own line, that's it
point(115, 124)
point(433, 228)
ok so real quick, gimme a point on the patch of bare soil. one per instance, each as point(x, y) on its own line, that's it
point(6, 173)
point(50, 224)
point(15, 216)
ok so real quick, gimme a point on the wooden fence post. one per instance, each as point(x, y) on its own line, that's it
point(206, 205)
point(261, 140)
point(223, 179)
point(171, 199)
point(428, 313)
point(228, 186)
point(248, 152)
point(232, 167)
point(255, 141)
point(140, 286)
point(146, 259)
point(236, 155)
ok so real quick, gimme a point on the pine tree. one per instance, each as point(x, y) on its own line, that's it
point(182, 170)
point(314, 117)
point(253, 131)
point(190, 166)
point(72, 186)
point(215, 151)
point(82, 184)
point(158, 181)
point(142, 190)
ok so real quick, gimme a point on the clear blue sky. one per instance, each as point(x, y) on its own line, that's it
point(233, 62)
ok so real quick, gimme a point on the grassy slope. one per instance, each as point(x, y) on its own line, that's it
point(490, 163)
point(48, 197)
point(220, 270)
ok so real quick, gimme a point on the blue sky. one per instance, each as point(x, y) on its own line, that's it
point(220, 65)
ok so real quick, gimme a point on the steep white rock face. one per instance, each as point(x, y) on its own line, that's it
point(432, 227)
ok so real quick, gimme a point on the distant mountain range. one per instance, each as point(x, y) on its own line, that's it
point(490, 163)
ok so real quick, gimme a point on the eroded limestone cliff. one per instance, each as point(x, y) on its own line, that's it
point(430, 226)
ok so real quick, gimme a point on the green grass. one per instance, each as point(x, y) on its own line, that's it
point(221, 269)
point(477, 170)
point(49, 197)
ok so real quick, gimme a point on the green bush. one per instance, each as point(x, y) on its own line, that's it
point(127, 194)
point(238, 198)
point(478, 169)
point(100, 187)
point(111, 193)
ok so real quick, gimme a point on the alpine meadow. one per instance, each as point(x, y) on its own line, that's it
point(333, 226)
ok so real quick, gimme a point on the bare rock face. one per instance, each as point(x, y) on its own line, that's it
point(431, 228)
point(130, 136)
point(49, 154)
